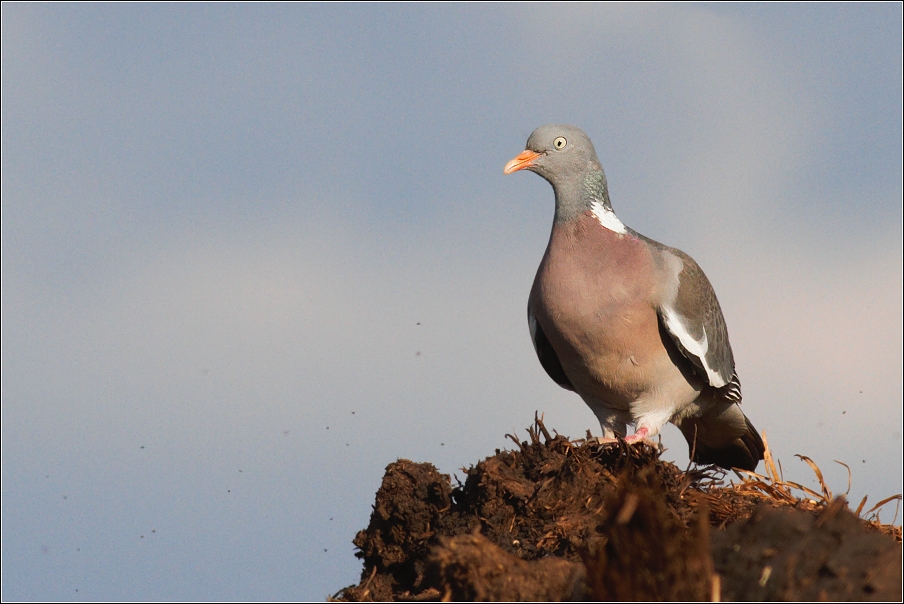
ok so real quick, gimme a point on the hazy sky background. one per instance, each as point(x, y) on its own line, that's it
point(253, 254)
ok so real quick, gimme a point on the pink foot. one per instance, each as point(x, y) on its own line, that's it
point(641, 436)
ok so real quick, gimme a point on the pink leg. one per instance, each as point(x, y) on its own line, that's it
point(640, 435)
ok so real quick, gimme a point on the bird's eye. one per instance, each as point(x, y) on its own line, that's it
point(560, 142)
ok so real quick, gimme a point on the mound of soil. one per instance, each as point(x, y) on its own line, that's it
point(562, 520)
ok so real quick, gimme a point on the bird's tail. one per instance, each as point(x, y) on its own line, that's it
point(723, 436)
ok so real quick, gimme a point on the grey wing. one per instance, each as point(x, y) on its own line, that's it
point(546, 353)
point(691, 315)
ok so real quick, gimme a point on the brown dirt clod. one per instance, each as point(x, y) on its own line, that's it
point(559, 520)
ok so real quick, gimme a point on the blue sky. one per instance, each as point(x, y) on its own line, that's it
point(253, 254)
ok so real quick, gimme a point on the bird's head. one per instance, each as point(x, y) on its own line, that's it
point(556, 151)
point(565, 157)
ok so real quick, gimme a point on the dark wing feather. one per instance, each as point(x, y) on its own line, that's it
point(547, 355)
point(695, 323)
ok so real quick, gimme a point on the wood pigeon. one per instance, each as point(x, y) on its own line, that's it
point(632, 325)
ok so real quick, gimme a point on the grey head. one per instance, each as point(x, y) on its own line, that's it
point(564, 156)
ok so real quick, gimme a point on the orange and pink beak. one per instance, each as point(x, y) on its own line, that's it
point(525, 159)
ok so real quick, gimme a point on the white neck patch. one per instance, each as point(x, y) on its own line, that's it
point(607, 218)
